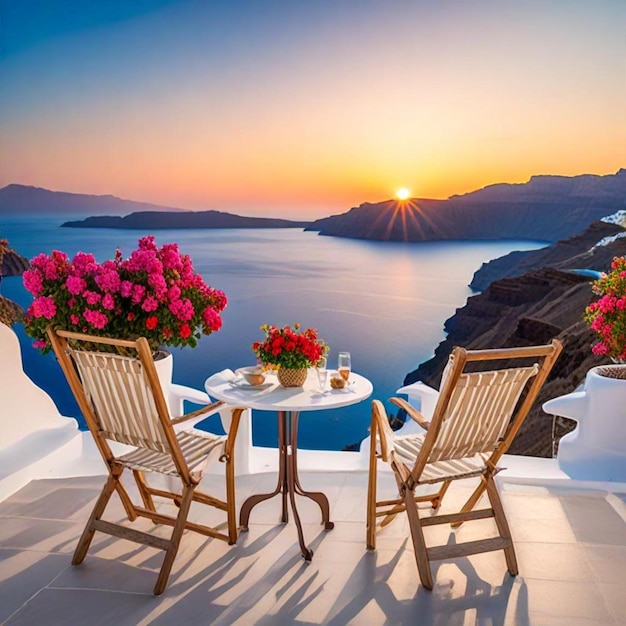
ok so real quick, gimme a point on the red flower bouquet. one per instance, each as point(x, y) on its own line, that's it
point(289, 348)
point(154, 293)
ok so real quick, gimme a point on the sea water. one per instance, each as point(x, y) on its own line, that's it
point(384, 302)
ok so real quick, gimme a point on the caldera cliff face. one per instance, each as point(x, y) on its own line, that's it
point(539, 304)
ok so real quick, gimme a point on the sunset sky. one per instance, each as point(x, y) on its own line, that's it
point(303, 108)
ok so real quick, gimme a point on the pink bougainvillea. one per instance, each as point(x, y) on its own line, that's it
point(154, 293)
point(607, 315)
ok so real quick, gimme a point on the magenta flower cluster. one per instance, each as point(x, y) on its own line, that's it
point(154, 293)
point(607, 315)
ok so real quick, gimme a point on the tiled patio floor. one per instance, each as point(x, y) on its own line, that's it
point(571, 547)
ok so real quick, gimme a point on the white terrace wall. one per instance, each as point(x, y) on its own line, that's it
point(35, 438)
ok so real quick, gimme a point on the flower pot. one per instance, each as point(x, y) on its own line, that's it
point(595, 449)
point(164, 365)
point(292, 377)
point(612, 371)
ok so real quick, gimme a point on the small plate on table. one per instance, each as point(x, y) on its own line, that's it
point(242, 384)
point(251, 377)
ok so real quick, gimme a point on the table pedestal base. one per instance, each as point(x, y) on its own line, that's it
point(288, 482)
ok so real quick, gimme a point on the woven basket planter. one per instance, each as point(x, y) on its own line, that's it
point(292, 377)
point(613, 371)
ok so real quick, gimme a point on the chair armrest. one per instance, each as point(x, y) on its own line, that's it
point(381, 430)
point(203, 412)
point(413, 413)
point(182, 392)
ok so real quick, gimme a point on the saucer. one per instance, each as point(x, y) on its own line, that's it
point(244, 384)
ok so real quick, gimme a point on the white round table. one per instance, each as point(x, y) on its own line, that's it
point(289, 402)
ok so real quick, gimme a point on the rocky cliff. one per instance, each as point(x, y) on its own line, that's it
point(11, 264)
point(571, 253)
point(545, 208)
point(532, 308)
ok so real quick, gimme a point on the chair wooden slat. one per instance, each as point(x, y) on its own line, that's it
point(194, 448)
point(479, 412)
point(454, 551)
point(131, 534)
point(123, 401)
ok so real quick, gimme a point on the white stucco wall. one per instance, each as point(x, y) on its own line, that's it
point(35, 439)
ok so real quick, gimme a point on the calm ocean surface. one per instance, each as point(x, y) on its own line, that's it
point(384, 302)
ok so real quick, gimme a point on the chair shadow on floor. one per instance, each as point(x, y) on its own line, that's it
point(296, 589)
point(480, 601)
point(216, 581)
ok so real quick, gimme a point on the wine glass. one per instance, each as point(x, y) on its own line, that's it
point(343, 365)
point(322, 373)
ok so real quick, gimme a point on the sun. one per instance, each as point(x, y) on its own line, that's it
point(403, 194)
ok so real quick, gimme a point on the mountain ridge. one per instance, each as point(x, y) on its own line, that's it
point(19, 199)
point(583, 185)
point(545, 208)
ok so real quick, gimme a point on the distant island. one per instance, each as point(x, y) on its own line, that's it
point(113, 212)
point(152, 220)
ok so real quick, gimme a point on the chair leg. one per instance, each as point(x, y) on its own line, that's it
point(391, 515)
point(144, 491)
point(502, 524)
point(174, 542)
point(436, 500)
point(371, 495)
point(398, 507)
point(126, 500)
point(101, 503)
point(231, 512)
point(417, 535)
point(472, 501)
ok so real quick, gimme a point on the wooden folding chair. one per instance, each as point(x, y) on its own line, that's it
point(122, 401)
point(474, 422)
